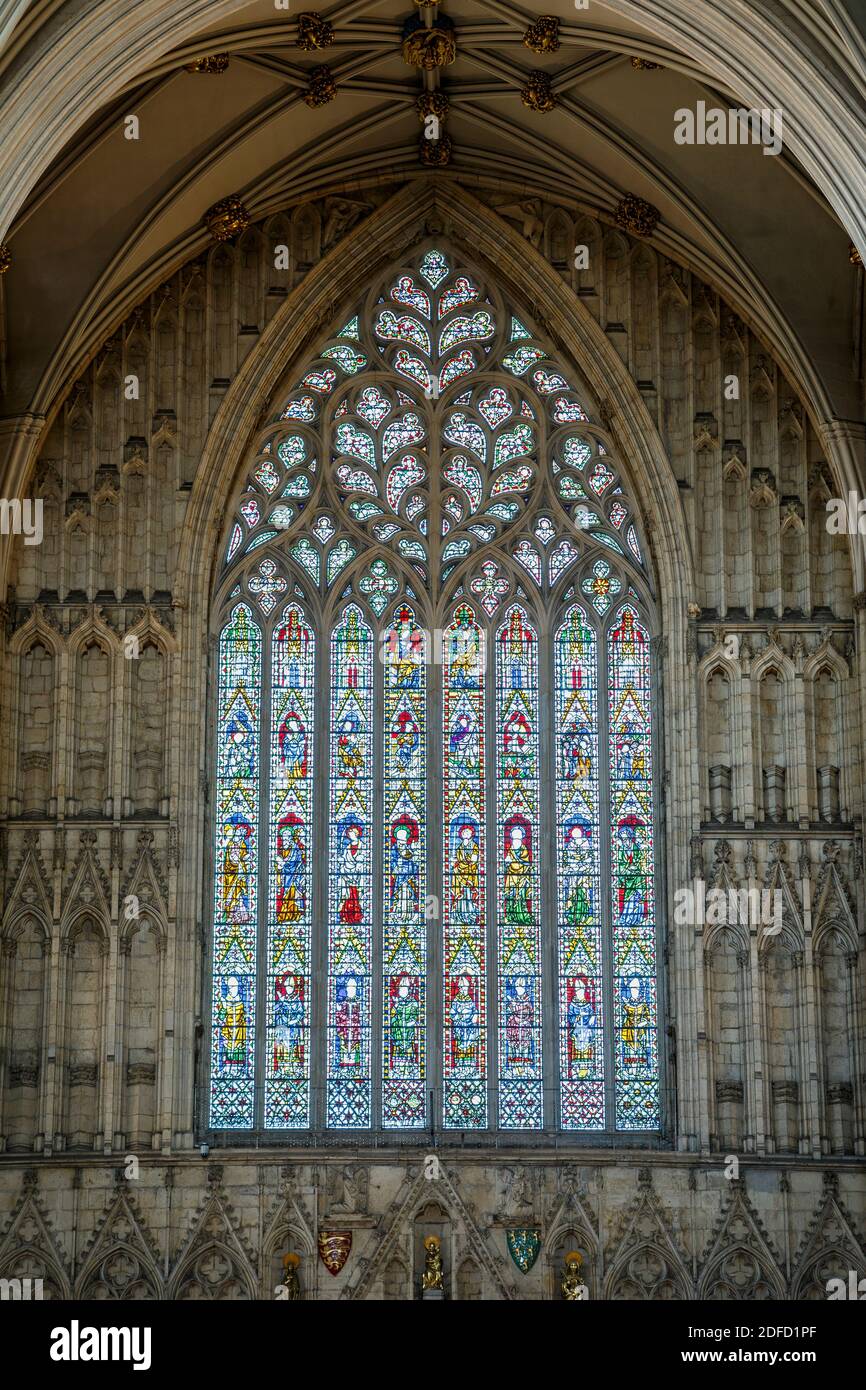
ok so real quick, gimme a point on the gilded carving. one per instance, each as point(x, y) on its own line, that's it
point(538, 94)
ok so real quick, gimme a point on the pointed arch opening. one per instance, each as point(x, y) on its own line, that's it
point(435, 810)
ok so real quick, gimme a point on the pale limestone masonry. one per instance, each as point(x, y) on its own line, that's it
point(104, 781)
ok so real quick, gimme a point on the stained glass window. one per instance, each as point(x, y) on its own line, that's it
point(434, 677)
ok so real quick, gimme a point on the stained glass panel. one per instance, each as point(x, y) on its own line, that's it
point(349, 1098)
point(463, 914)
point(290, 852)
point(404, 939)
point(518, 905)
point(236, 873)
point(632, 887)
point(581, 1054)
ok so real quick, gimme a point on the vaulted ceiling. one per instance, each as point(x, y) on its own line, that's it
point(110, 217)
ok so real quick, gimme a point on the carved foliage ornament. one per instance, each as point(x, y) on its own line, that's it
point(435, 154)
point(543, 35)
point(227, 218)
point(537, 93)
point(322, 88)
point(432, 104)
point(854, 255)
point(5, 258)
point(644, 65)
point(636, 216)
point(313, 31)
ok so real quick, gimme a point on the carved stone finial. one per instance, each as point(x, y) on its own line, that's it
point(5, 257)
point(313, 31)
point(214, 62)
point(636, 216)
point(543, 35)
point(322, 88)
point(537, 94)
point(226, 219)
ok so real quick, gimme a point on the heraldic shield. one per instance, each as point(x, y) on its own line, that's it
point(334, 1247)
point(523, 1246)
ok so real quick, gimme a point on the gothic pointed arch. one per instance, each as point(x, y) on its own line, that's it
point(431, 488)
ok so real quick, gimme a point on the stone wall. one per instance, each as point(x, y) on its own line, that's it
point(101, 1009)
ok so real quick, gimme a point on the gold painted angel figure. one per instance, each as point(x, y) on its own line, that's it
point(432, 1277)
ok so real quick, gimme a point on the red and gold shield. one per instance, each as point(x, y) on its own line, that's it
point(334, 1247)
